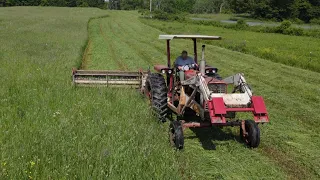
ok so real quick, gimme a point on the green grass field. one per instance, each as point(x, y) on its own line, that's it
point(52, 130)
point(295, 51)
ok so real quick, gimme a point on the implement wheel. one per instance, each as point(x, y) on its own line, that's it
point(252, 135)
point(157, 91)
point(176, 135)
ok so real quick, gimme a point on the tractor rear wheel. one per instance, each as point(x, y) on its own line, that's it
point(252, 136)
point(176, 134)
point(157, 92)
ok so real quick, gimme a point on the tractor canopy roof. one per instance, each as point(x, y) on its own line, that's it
point(204, 37)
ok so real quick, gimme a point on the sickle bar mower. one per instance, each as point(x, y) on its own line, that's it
point(108, 78)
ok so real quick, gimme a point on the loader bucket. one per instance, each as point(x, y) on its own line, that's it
point(131, 79)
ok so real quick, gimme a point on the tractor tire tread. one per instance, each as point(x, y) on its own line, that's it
point(158, 89)
point(253, 139)
point(177, 132)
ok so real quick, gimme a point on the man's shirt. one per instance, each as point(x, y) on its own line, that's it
point(182, 62)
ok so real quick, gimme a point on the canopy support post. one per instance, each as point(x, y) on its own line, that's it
point(168, 53)
point(195, 50)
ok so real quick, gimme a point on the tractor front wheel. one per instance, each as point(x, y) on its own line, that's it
point(157, 93)
point(176, 135)
point(252, 135)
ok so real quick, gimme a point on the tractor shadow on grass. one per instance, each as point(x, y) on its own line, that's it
point(210, 137)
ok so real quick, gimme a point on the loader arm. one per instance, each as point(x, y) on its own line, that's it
point(198, 81)
point(239, 83)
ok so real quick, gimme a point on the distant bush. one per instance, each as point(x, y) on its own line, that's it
point(162, 15)
point(297, 21)
point(315, 21)
point(294, 31)
point(285, 28)
point(313, 33)
point(179, 17)
point(284, 25)
point(241, 24)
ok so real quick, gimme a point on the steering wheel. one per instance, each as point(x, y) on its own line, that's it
point(188, 67)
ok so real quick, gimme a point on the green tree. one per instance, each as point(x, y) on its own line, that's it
point(44, 3)
point(114, 4)
point(210, 6)
point(301, 9)
point(131, 4)
point(242, 6)
point(71, 3)
point(263, 9)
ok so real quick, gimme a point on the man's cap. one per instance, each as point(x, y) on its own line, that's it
point(184, 52)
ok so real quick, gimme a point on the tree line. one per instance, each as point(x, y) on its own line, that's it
point(304, 10)
point(61, 3)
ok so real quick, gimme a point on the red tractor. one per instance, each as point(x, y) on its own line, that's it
point(202, 96)
point(204, 93)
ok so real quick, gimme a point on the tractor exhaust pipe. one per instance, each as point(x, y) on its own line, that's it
point(203, 61)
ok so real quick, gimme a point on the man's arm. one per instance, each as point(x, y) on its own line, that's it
point(177, 63)
point(192, 60)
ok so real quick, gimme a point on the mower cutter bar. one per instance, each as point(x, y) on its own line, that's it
point(107, 78)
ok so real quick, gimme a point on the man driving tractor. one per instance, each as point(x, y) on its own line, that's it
point(183, 63)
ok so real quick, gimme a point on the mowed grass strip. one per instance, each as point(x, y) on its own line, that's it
point(303, 52)
point(289, 143)
point(53, 130)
